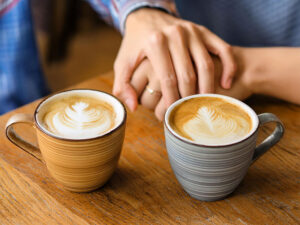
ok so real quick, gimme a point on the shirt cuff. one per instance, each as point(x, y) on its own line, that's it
point(168, 6)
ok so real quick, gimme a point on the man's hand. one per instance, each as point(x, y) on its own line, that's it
point(179, 53)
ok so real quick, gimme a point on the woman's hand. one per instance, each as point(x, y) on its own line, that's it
point(144, 74)
point(179, 53)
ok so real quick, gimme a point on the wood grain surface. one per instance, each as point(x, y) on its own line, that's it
point(143, 190)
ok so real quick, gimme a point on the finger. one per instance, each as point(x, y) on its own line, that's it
point(124, 67)
point(151, 95)
point(160, 110)
point(219, 47)
point(139, 79)
point(203, 64)
point(159, 56)
point(181, 58)
point(122, 88)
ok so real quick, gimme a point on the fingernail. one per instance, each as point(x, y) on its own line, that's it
point(129, 102)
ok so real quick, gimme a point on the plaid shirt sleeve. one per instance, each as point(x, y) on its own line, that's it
point(115, 12)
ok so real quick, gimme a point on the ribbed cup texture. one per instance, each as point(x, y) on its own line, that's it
point(209, 173)
point(82, 165)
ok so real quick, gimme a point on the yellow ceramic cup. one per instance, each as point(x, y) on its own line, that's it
point(81, 165)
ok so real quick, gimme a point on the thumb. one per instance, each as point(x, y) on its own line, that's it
point(130, 97)
point(123, 90)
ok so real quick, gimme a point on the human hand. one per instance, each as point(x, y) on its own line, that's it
point(178, 51)
point(241, 86)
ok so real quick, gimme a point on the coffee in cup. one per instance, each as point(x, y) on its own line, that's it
point(77, 115)
point(210, 120)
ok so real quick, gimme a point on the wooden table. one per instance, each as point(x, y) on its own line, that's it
point(143, 190)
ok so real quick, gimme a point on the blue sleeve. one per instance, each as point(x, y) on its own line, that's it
point(115, 12)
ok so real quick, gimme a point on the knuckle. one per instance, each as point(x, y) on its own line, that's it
point(190, 26)
point(117, 91)
point(189, 79)
point(157, 38)
point(202, 28)
point(174, 30)
point(195, 28)
point(207, 65)
point(169, 81)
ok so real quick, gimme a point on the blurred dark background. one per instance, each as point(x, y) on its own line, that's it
point(74, 43)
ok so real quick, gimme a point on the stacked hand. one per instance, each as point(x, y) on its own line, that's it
point(163, 58)
point(240, 87)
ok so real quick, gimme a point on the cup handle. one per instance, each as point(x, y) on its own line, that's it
point(16, 139)
point(270, 140)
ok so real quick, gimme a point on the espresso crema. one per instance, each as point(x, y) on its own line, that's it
point(210, 120)
point(78, 117)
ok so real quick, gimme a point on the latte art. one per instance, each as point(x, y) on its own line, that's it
point(210, 121)
point(79, 117)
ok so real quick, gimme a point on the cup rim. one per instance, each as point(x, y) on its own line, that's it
point(78, 140)
point(248, 109)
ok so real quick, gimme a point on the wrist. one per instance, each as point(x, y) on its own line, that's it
point(148, 16)
point(141, 15)
point(252, 68)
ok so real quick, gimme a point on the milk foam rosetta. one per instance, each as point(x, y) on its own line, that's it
point(79, 117)
point(210, 120)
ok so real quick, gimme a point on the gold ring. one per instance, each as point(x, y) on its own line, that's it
point(151, 91)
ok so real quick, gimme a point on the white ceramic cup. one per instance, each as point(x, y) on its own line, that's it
point(211, 172)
